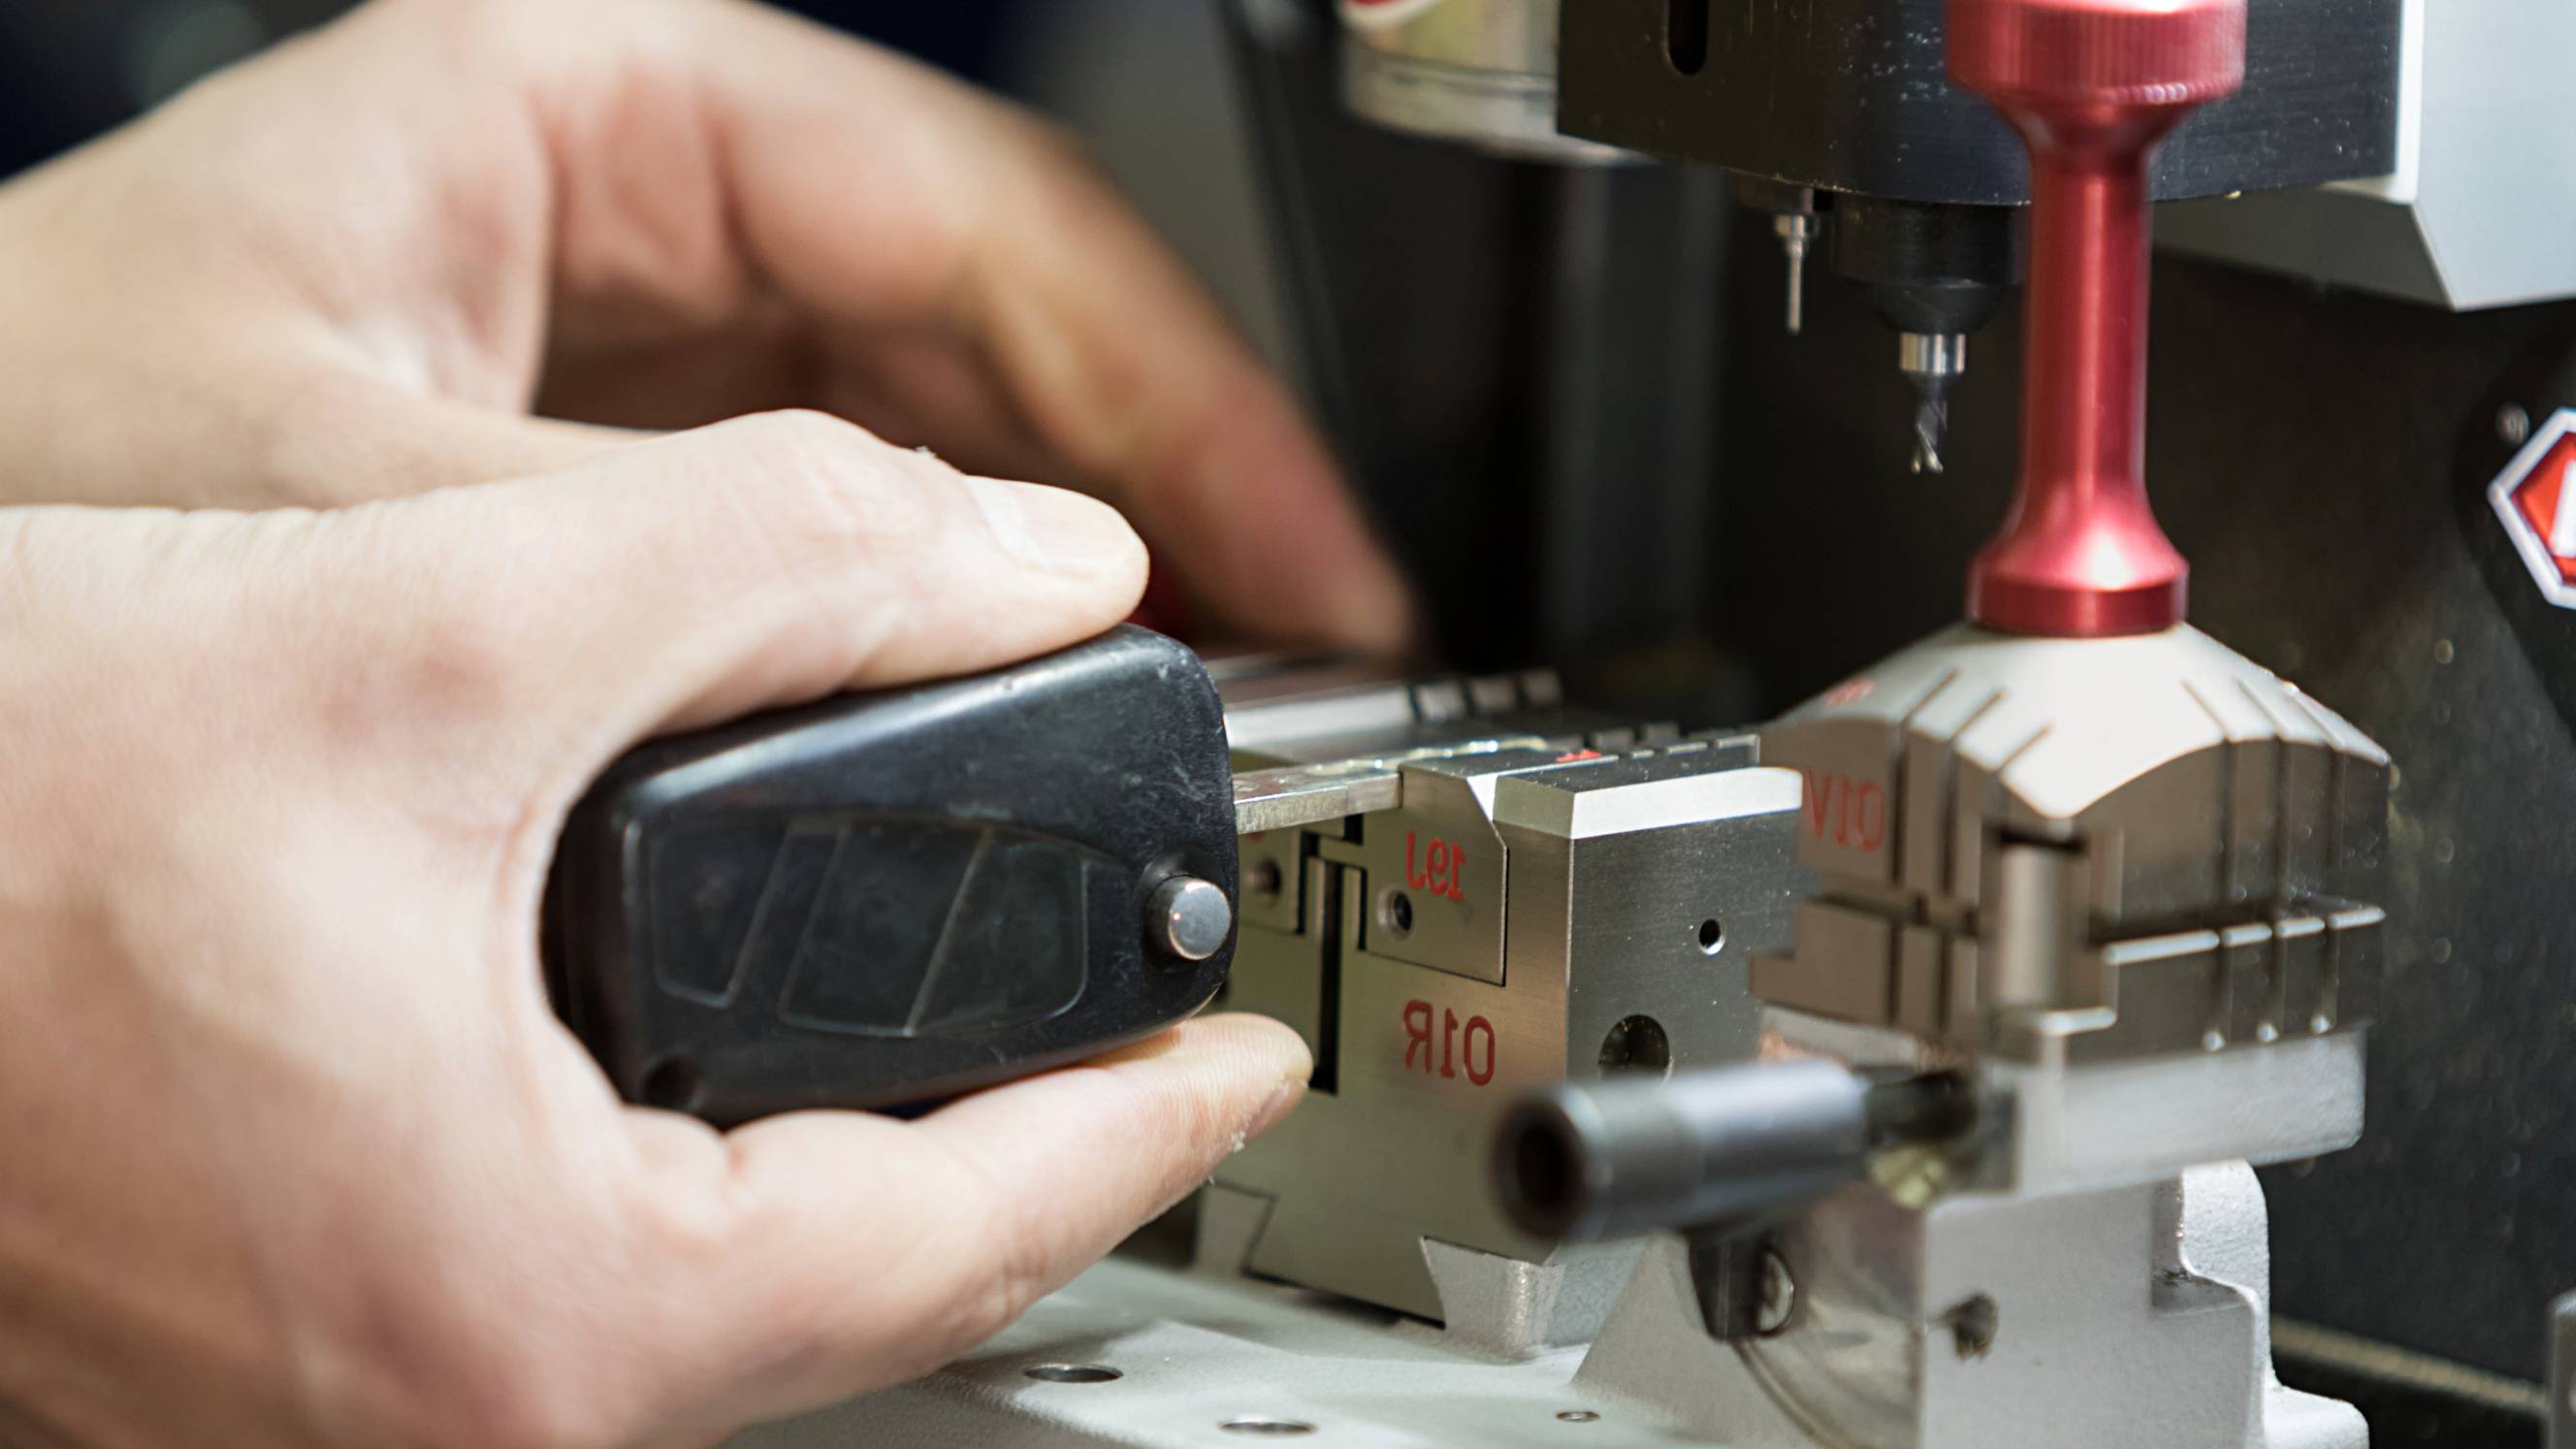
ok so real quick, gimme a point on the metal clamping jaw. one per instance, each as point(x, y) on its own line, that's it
point(1514, 898)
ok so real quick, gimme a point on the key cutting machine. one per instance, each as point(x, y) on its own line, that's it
point(2079, 860)
point(2360, 435)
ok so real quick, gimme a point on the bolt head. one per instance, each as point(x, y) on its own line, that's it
point(2513, 425)
point(1779, 1295)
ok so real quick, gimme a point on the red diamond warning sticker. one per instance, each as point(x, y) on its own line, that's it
point(2536, 497)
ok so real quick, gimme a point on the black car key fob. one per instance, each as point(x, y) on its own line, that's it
point(889, 899)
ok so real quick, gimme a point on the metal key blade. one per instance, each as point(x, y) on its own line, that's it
point(1289, 796)
point(1295, 795)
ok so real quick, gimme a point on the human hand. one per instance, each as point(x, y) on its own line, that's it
point(351, 268)
point(297, 1152)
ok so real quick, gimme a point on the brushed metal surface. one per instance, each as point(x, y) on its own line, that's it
point(1614, 867)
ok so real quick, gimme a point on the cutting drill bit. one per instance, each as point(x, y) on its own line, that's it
point(1932, 362)
point(1931, 419)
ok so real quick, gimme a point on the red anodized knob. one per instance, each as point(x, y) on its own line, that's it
point(2093, 86)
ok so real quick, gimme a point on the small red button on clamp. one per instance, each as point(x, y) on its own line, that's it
point(2093, 86)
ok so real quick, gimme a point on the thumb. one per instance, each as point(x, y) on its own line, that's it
point(699, 577)
point(843, 1252)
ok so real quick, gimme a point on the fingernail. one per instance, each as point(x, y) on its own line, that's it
point(1053, 528)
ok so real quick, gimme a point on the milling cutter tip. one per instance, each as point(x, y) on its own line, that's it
point(1931, 420)
point(1932, 362)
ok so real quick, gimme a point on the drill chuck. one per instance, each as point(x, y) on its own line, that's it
point(2093, 86)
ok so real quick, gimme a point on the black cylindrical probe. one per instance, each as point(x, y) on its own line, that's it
point(1616, 1158)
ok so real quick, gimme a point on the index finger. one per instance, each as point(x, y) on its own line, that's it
point(876, 192)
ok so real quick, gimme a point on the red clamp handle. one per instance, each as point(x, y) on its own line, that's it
point(2093, 86)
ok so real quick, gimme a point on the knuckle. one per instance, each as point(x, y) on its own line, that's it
point(464, 660)
point(831, 516)
point(1058, 148)
point(547, 43)
point(454, 648)
point(832, 489)
point(1072, 186)
point(480, 27)
point(798, 435)
point(504, 28)
point(417, 644)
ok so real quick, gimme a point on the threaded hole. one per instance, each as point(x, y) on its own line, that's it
point(1637, 1044)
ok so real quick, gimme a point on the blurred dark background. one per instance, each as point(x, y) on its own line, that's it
point(72, 68)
